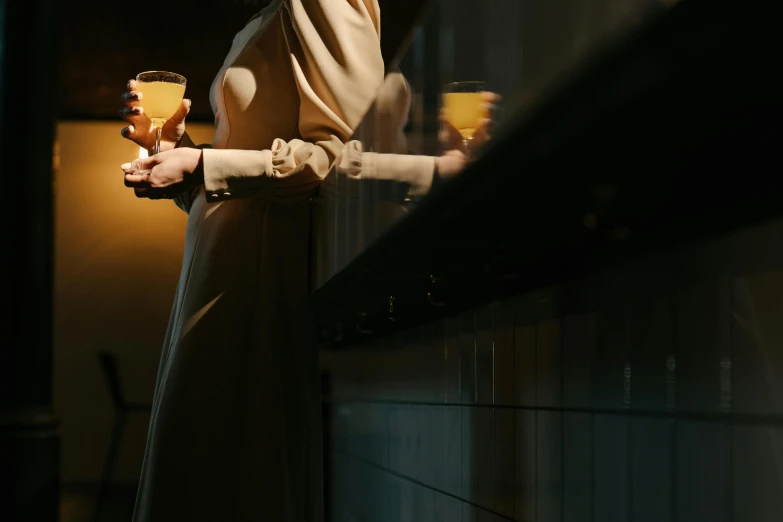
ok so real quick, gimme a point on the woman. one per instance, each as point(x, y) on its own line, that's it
point(235, 428)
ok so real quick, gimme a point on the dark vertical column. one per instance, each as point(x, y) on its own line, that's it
point(29, 443)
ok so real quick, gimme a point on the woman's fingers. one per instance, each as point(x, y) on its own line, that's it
point(482, 133)
point(138, 179)
point(131, 99)
point(490, 102)
point(182, 112)
point(131, 113)
point(490, 97)
point(145, 190)
point(140, 138)
point(489, 106)
point(139, 123)
point(131, 96)
point(127, 132)
point(481, 136)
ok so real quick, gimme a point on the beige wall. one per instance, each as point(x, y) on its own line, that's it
point(117, 259)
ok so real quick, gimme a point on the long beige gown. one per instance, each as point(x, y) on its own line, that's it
point(235, 430)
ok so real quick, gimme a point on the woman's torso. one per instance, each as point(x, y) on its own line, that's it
point(254, 95)
point(236, 248)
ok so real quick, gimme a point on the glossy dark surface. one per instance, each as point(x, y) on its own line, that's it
point(522, 50)
point(611, 272)
point(642, 150)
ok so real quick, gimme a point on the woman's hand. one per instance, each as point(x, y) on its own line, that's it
point(141, 130)
point(450, 163)
point(166, 174)
point(456, 155)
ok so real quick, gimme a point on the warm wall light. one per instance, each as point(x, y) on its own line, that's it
point(117, 263)
point(56, 156)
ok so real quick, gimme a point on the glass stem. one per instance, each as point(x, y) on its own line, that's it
point(466, 143)
point(158, 130)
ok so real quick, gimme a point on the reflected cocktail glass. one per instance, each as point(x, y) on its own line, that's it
point(162, 94)
point(465, 108)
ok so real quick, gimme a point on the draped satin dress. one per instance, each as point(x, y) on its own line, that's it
point(235, 430)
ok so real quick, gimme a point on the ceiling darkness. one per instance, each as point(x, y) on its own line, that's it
point(103, 45)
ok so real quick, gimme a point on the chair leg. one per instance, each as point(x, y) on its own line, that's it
point(108, 465)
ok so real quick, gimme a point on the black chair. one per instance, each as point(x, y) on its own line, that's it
point(122, 409)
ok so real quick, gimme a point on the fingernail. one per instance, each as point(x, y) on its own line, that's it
point(125, 132)
point(136, 110)
point(134, 95)
point(125, 166)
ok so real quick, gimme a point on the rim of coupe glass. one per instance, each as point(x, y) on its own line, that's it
point(466, 86)
point(178, 78)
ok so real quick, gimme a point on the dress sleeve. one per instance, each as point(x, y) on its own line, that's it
point(416, 171)
point(388, 161)
point(335, 55)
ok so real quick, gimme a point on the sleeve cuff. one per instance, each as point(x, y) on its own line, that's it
point(230, 174)
point(416, 171)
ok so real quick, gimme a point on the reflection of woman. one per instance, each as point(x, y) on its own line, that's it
point(348, 215)
point(390, 161)
point(235, 428)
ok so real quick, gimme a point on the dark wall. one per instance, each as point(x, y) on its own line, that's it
point(108, 43)
point(104, 44)
point(29, 443)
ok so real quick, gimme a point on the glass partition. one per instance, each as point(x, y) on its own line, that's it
point(413, 138)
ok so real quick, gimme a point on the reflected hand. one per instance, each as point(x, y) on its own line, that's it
point(456, 155)
point(450, 163)
point(141, 130)
point(164, 175)
point(451, 139)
